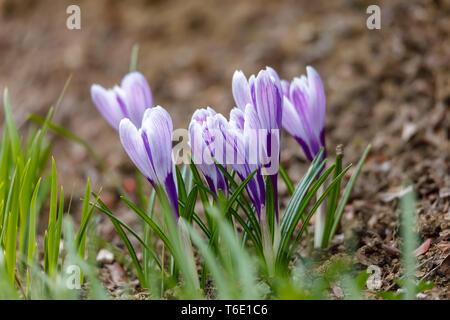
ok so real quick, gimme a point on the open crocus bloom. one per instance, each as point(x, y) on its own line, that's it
point(150, 148)
point(130, 100)
point(304, 111)
point(208, 145)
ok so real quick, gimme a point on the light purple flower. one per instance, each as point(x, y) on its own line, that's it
point(263, 94)
point(208, 144)
point(150, 148)
point(242, 141)
point(130, 100)
point(304, 109)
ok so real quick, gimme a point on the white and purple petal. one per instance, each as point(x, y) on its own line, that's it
point(131, 139)
point(156, 134)
point(207, 145)
point(107, 105)
point(241, 90)
point(268, 96)
point(130, 100)
point(138, 95)
point(304, 109)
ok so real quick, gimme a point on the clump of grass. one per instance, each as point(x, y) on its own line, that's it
point(24, 189)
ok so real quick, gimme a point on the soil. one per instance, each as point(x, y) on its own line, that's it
point(388, 87)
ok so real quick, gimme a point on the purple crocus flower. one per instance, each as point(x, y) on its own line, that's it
point(242, 141)
point(263, 94)
point(304, 111)
point(150, 148)
point(207, 144)
point(130, 100)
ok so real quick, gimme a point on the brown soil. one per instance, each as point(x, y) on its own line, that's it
point(388, 87)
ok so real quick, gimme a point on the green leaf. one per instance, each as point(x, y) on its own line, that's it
point(299, 201)
point(409, 238)
point(361, 279)
point(284, 175)
point(10, 225)
point(131, 251)
point(190, 204)
point(134, 57)
point(346, 194)
point(217, 273)
point(270, 207)
point(12, 130)
point(118, 224)
point(332, 203)
point(256, 241)
point(317, 204)
point(85, 217)
point(150, 222)
point(238, 190)
point(424, 285)
point(300, 192)
point(32, 246)
point(389, 295)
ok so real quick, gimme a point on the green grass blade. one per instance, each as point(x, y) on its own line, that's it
point(134, 57)
point(346, 194)
point(332, 203)
point(316, 205)
point(150, 222)
point(32, 246)
point(409, 242)
point(284, 175)
point(239, 190)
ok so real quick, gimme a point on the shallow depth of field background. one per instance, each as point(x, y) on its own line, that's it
point(388, 87)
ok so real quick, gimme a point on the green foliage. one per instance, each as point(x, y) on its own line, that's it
point(24, 188)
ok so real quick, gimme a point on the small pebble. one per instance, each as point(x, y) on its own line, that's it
point(105, 256)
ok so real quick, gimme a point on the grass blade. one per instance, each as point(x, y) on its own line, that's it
point(346, 194)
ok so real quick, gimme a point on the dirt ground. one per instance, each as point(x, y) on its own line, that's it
point(388, 87)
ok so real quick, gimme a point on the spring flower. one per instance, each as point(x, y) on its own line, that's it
point(242, 143)
point(304, 111)
point(130, 100)
point(207, 145)
point(150, 148)
point(263, 94)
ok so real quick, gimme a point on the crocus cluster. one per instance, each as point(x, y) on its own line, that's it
point(145, 131)
point(249, 141)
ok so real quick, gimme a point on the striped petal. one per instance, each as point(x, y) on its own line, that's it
point(138, 96)
point(304, 108)
point(268, 96)
point(107, 105)
point(241, 90)
point(317, 100)
point(157, 131)
point(132, 142)
point(207, 144)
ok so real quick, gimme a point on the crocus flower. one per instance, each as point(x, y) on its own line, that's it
point(208, 145)
point(150, 148)
point(130, 100)
point(263, 94)
point(242, 140)
point(304, 111)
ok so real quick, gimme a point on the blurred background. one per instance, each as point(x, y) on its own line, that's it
point(389, 87)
